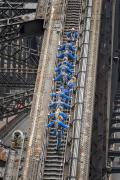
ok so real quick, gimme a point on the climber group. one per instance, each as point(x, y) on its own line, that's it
point(65, 83)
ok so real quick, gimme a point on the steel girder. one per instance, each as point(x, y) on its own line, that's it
point(17, 80)
point(19, 55)
point(10, 9)
point(12, 15)
point(14, 104)
point(18, 65)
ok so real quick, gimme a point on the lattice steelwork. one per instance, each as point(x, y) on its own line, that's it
point(18, 65)
point(17, 62)
point(19, 51)
point(10, 9)
point(12, 15)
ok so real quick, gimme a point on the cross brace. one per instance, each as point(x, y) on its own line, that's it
point(14, 104)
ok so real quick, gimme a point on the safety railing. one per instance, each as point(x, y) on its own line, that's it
point(81, 83)
point(43, 154)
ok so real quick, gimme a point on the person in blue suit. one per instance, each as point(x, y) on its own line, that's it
point(57, 113)
point(62, 95)
point(68, 54)
point(67, 46)
point(63, 77)
point(72, 83)
point(57, 123)
point(64, 68)
point(67, 63)
point(59, 127)
point(66, 91)
point(56, 104)
point(72, 35)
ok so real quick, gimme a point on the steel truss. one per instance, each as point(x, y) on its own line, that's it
point(19, 55)
point(18, 60)
point(14, 104)
point(10, 9)
point(18, 65)
point(12, 15)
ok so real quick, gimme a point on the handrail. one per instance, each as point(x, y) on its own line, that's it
point(43, 155)
point(80, 92)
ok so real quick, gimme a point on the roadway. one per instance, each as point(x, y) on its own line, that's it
point(22, 125)
point(14, 169)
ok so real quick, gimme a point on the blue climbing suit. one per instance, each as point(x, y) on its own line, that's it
point(71, 85)
point(63, 77)
point(56, 104)
point(68, 54)
point(64, 68)
point(71, 66)
point(72, 35)
point(68, 91)
point(58, 131)
point(68, 46)
point(53, 115)
point(62, 95)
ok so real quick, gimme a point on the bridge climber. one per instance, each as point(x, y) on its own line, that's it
point(58, 131)
point(66, 62)
point(63, 77)
point(61, 103)
point(58, 112)
point(67, 90)
point(64, 68)
point(67, 46)
point(61, 95)
point(56, 104)
point(72, 83)
point(72, 35)
point(71, 55)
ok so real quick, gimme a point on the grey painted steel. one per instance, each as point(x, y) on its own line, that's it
point(16, 57)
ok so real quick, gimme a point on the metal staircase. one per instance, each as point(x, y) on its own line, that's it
point(55, 160)
point(72, 16)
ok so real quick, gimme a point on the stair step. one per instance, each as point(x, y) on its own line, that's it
point(53, 144)
point(53, 160)
point(53, 169)
point(51, 140)
point(55, 157)
point(52, 173)
point(51, 178)
point(54, 165)
point(55, 152)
